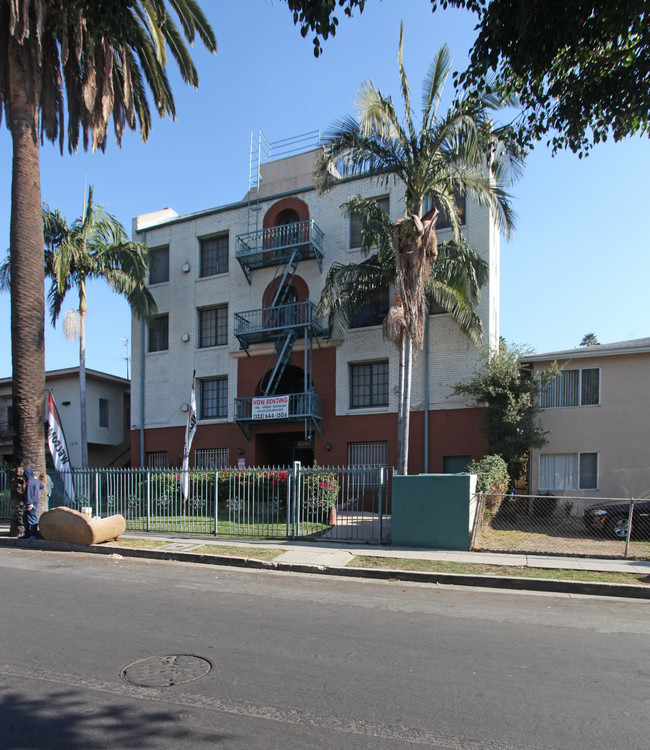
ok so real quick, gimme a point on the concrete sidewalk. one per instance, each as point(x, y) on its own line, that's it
point(332, 559)
point(333, 555)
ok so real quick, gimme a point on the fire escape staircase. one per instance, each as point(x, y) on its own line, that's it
point(283, 321)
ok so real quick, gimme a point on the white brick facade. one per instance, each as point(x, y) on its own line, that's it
point(168, 374)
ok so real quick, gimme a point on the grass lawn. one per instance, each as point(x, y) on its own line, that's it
point(446, 566)
point(206, 549)
point(205, 525)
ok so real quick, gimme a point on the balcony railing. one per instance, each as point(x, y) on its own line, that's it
point(300, 406)
point(269, 323)
point(276, 245)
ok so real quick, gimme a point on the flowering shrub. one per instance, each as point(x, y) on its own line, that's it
point(320, 492)
point(262, 491)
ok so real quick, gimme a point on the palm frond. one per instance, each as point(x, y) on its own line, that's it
point(348, 287)
point(434, 83)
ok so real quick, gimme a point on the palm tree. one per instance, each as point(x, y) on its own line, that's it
point(93, 247)
point(589, 339)
point(460, 152)
point(101, 60)
point(456, 276)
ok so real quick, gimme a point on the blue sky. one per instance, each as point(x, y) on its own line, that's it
point(578, 262)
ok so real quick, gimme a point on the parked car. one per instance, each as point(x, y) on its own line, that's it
point(613, 519)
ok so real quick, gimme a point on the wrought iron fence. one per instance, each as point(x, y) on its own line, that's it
point(548, 524)
point(329, 503)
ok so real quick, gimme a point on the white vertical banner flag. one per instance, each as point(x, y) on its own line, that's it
point(58, 448)
point(190, 429)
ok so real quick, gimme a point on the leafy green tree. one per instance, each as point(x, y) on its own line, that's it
point(581, 70)
point(459, 152)
point(97, 60)
point(318, 17)
point(96, 246)
point(510, 394)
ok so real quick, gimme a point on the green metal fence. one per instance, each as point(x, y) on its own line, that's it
point(333, 503)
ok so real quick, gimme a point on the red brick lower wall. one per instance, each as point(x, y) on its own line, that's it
point(453, 432)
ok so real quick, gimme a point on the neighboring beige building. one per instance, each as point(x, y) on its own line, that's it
point(107, 416)
point(598, 416)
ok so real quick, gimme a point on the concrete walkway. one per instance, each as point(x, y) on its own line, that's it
point(333, 555)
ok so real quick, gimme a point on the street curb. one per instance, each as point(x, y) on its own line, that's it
point(624, 590)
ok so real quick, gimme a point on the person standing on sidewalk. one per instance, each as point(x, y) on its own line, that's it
point(30, 513)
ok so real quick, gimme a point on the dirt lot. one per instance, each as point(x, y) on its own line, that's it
point(565, 536)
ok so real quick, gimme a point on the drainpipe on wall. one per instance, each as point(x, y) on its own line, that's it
point(426, 392)
point(142, 338)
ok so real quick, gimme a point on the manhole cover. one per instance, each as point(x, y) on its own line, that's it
point(165, 671)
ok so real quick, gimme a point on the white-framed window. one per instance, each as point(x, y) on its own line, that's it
point(213, 326)
point(214, 398)
point(103, 412)
point(157, 460)
point(373, 312)
point(159, 334)
point(355, 224)
point(572, 388)
point(159, 265)
point(568, 471)
point(211, 458)
point(213, 255)
point(369, 384)
point(372, 453)
point(444, 221)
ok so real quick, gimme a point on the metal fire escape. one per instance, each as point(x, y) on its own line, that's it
point(284, 320)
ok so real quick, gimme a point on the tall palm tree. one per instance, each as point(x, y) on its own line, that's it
point(93, 247)
point(101, 59)
point(456, 276)
point(460, 152)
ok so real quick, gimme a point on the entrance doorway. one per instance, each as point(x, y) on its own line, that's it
point(283, 448)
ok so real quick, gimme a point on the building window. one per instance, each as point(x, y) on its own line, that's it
point(213, 326)
point(157, 460)
point(369, 384)
point(355, 224)
point(568, 471)
point(214, 398)
point(369, 454)
point(373, 312)
point(443, 219)
point(212, 458)
point(159, 334)
point(214, 255)
point(159, 265)
point(572, 388)
point(103, 412)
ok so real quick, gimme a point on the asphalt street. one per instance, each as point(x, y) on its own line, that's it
point(309, 661)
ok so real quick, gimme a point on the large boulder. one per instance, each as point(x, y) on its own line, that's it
point(67, 525)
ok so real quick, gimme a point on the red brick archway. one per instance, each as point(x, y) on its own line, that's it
point(272, 218)
point(298, 283)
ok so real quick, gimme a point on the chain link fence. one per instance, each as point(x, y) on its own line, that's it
point(562, 525)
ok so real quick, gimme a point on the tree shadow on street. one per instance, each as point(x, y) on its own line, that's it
point(67, 720)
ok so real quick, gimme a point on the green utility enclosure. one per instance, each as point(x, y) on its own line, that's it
point(433, 510)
